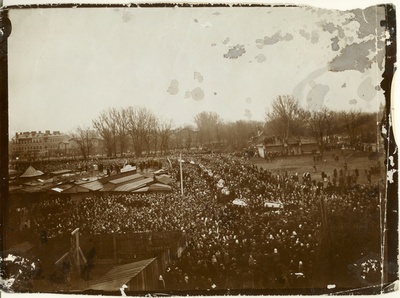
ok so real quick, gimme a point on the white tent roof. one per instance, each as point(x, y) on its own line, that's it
point(31, 172)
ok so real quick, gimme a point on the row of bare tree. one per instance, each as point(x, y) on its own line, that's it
point(138, 130)
point(122, 130)
point(287, 119)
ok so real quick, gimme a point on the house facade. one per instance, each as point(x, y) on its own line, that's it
point(38, 144)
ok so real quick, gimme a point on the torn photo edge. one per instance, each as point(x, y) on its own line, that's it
point(389, 237)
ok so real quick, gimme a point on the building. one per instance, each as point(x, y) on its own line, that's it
point(185, 138)
point(37, 144)
point(273, 144)
point(95, 148)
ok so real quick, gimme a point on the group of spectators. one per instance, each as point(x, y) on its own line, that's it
point(228, 246)
point(106, 165)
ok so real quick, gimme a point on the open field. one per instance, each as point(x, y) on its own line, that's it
point(362, 161)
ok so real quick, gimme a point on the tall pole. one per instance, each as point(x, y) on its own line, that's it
point(76, 250)
point(180, 163)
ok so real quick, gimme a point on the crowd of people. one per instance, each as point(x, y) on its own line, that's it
point(106, 165)
point(255, 245)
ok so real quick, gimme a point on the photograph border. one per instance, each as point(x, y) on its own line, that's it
point(391, 221)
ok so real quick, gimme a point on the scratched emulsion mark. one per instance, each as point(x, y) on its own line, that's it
point(126, 15)
point(390, 174)
point(353, 101)
point(331, 28)
point(368, 18)
point(248, 114)
point(335, 43)
point(299, 88)
point(198, 76)
point(261, 58)
point(22, 270)
point(358, 41)
point(368, 22)
point(316, 96)
point(270, 40)
point(366, 90)
point(313, 36)
point(235, 52)
point(391, 164)
point(354, 56)
point(173, 88)
point(197, 94)
point(206, 25)
point(122, 290)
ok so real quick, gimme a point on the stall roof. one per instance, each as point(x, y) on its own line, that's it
point(161, 171)
point(37, 188)
point(118, 276)
point(125, 179)
point(143, 189)
point(76, 189)
point(93, 185)
point(106, 179)
point(164, 179)
point(61, 172)
point(61, 188)
point(128, 168)
point(31, 172)
point(134, 185)
point(159, 187)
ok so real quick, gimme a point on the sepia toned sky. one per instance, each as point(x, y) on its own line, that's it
point(67, 65)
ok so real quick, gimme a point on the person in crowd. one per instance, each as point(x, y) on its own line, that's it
point(228, 245)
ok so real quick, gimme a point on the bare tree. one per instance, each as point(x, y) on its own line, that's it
point(351, 122)
point(106, 126)
point(83, 137)
point(152, 134)
point(322, 125)
point(284, 117)
point(207, 124)
point(122, 121)
point(164, 130)
point(141, 124)
point(237, 134)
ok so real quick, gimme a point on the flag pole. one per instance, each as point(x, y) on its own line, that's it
point(180, 162)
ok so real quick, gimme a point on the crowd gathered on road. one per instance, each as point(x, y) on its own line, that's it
point(246, 227)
